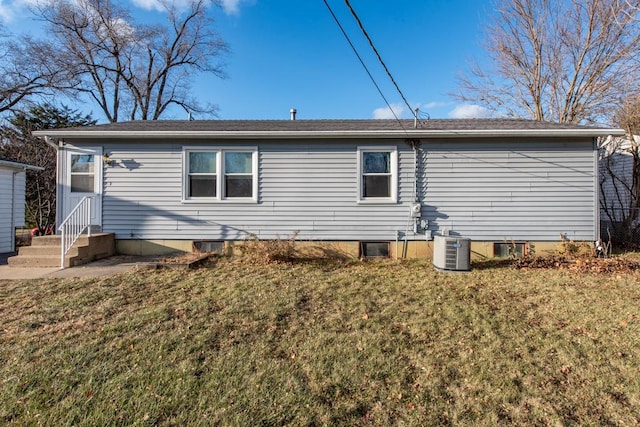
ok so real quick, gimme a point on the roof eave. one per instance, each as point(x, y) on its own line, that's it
point(376, 134)
point(20, 166)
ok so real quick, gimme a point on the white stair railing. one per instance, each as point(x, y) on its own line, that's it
point(74, 225)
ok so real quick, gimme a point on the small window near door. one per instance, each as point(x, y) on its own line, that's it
point(82, 173)
point(374, 249)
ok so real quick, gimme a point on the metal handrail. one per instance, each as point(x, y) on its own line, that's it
point(74, 225)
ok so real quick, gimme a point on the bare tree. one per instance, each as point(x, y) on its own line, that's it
point(131, 70)
point(19, 144)
point(25, 71)
point(567, 61)
point(620, 176)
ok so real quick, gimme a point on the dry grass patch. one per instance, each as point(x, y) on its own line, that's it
point(374, 343)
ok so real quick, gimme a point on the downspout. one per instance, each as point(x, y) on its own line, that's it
point(13, 210)
point(596, 191)
point(59, 147)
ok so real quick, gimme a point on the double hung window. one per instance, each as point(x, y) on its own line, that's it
point(377, 174)
point(238, 174)
point(220, 174)
point(202, 171)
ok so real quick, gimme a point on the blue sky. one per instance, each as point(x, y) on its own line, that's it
point(291, 54)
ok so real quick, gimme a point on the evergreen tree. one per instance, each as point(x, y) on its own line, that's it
point(18, 144)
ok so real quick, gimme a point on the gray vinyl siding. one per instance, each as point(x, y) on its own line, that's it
point(12, 199)
point(511, 190)
point(485, 190)
point(312, 190)
point(19, 199)
point(614, 195)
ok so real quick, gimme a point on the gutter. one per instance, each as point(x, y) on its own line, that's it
point(13, 209)
point(20, 166)
point(50, 142)
point(347, 134)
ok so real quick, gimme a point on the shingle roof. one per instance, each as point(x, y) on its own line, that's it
point(325, 128)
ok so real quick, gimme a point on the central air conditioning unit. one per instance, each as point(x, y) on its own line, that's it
point(452, 253)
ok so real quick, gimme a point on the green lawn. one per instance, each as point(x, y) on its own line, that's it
point(374, 343)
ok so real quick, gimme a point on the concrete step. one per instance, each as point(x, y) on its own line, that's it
point(45, 251)
point(34, 262)
point(38, 251)
point(55, 240)
point(46, 241)
point(49, 260)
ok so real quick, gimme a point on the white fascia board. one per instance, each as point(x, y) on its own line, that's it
point(375, 134)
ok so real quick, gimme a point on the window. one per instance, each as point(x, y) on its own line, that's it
point(510, 250)
point(202, 174)
point(82, 173)
point(377, 174)
point(220, 174)
point(211, 246)
point(238, 177)
point(374, 249)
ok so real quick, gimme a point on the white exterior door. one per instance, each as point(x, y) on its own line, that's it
point(83, 178)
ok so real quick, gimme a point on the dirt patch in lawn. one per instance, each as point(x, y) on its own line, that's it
point(186, 260)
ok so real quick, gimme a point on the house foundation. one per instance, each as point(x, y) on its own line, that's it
point(480, 250)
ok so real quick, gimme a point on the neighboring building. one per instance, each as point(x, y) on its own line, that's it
point(365, 184)
point(12, 201)
point(617, 189)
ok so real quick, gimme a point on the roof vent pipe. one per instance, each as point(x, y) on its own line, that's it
point(293, 113)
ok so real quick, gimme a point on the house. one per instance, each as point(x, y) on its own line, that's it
point(368, 187)
point(618, 189)
point(12, 196)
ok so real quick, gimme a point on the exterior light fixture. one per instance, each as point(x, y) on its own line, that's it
point(107, 161)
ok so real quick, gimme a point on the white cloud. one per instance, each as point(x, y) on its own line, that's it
point(10, 9)
point(121, 27)
point(469, 111)
point(386, 113)
point(231, 7)
point(157, 4)
point(434, 104)
point(6, 14)
point(148, 4)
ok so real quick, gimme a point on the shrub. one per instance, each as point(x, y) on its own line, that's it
point(270, 251)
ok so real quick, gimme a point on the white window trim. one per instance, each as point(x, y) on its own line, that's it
point(220, 174)
point(394, 174)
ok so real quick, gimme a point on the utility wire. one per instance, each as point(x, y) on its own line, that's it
point(355, 15)
point(346, 36)
point(415, 114)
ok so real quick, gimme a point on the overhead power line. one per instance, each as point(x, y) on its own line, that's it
point(355, 51)
point(355, 15)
